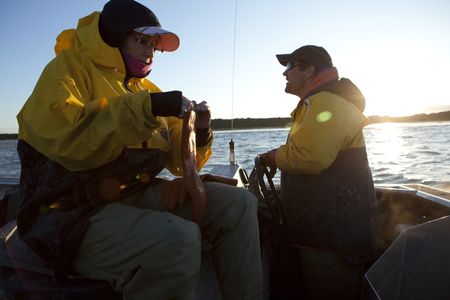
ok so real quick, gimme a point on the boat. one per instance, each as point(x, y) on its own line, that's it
point(424, 208)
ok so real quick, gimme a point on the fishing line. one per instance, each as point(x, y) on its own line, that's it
point(231, 144)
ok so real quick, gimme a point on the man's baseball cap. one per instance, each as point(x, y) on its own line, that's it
point(119, 17)
point(309, 54)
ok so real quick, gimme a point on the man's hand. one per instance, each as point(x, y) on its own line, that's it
point(268, 160)
point(203, 115)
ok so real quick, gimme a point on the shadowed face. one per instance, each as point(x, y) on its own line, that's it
point(298, 76)
point(141, 46)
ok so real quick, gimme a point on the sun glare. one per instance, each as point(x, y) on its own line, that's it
point(390, 147)
point(392, 83)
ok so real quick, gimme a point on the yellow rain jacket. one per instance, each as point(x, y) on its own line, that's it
point(84, 140)
point(81, 115)
point(322, 126)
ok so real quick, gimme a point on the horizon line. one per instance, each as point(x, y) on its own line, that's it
point(246, 118)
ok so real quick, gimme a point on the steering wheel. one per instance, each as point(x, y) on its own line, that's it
point(271, 197)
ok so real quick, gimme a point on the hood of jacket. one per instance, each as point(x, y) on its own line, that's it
point(86, 40)
point(346, 89)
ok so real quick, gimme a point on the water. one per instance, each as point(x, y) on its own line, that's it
point(9, 160)
point(398, 152)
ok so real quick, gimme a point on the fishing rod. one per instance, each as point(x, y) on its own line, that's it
point(231, 143)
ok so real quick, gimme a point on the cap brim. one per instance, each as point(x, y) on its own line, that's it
point(169, 41)
point(283, 58)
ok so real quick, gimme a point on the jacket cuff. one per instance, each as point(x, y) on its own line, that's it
point(203, 136)
point(166, 104)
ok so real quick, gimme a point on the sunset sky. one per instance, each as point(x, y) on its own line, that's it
point(397, 52)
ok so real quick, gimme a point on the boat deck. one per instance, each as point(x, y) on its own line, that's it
point(418, 204)
point(437, 191)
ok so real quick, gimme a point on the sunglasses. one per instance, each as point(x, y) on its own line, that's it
point(300, 64)
point(291, 65)
point(146, 41)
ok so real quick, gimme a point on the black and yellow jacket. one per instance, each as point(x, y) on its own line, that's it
point(85, 130)
point(327, 190)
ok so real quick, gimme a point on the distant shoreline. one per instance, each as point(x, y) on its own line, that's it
point(250, 123)
point(261, 123)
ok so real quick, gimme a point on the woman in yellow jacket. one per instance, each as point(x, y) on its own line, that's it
point(327, 192)
point(95, 130)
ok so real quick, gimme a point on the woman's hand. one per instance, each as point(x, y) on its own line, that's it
point(186, 105)
point(203, 115)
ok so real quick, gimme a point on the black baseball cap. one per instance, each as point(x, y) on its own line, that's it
point(120, 17)
point(309, 54)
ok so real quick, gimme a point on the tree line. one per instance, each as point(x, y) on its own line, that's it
point(248, 123)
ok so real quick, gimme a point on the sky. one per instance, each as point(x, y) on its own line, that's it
point(396, 51)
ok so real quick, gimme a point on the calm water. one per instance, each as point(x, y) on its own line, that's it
point(398, 152)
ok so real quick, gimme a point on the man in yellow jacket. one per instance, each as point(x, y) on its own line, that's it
point(92, 138)
point(327, 192)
